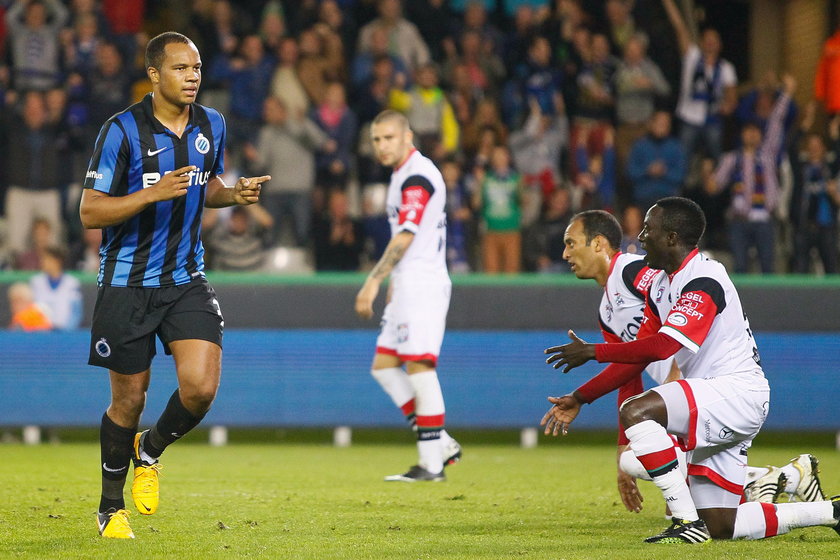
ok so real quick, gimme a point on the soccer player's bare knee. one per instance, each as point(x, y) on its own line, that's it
point(198, 397)
point(126, 408)
point(385, 361)
point(128, 397)
point(719, 521)
point(419, 366)
point(647, 406)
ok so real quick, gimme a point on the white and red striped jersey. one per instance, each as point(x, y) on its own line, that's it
point(416, 203)
point(699, 307)
point(622, 306)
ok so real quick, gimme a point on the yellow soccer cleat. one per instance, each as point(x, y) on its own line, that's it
point(114, 525)
point(145, 490)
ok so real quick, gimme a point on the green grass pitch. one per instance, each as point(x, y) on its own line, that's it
point(292, 500)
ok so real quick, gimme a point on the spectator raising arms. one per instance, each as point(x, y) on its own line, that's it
point(33, 29)
point(750, 175)
point(707, 87)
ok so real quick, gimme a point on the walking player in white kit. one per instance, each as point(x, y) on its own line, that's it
point(414, 320)
point(693, 313)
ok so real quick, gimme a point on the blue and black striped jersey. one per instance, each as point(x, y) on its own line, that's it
point(160, 246)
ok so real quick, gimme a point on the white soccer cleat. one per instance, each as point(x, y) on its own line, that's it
point(766, 488)
point(417, 474)
point(451, 452)
point(809, 488)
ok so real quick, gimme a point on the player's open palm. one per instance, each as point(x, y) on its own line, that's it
point(559, 416)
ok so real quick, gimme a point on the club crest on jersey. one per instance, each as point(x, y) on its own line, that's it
point(402, 332)
point(659, 293)
point(618, 299)
point(102, 348)
point(202, 144)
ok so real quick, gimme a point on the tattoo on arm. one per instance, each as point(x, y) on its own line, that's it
point(389, 260)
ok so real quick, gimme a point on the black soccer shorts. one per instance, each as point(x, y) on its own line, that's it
point(126, 321)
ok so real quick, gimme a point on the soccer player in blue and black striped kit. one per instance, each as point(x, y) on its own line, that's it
point(154, 168)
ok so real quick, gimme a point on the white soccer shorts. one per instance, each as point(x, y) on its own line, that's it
point(414, 321)
point(716, 420)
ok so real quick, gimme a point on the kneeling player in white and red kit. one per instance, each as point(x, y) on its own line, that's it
point(414, 320)
point(592, 242)
point(693, 313)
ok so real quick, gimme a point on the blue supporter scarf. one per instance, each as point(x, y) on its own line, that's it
point(705, 89)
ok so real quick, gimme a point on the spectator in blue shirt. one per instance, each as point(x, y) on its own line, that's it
point(816, 197)
point(657, 163)
point(248, 76)
point(537, 80)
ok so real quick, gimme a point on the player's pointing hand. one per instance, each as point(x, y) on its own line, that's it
point(247, 189)
point(174, 184)
point(571, 355)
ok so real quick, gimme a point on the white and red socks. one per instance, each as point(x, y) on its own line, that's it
point(755, 520)
point(655, 450)
point(430, 419)
point(394, 381)
point(629, 463)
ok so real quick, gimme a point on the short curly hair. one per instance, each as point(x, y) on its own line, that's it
point(684, 217)
point(156, 49)
point(600, 222)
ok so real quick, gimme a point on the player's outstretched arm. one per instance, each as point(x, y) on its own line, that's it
point(98, 209)
point(393, 254)
point(559, 416)
point(574, 354)
point(245, 191)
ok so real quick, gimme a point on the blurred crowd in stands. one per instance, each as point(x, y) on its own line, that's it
point(533, 110)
